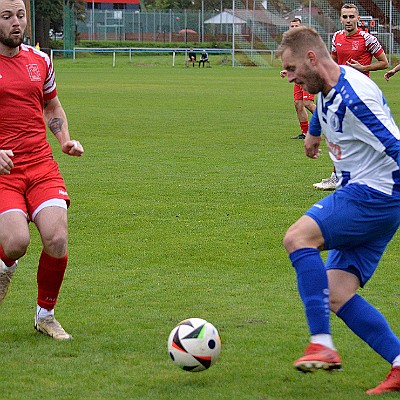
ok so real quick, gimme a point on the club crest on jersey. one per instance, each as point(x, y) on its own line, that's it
point(335, 123)
point(354, 45)
point(34, 72)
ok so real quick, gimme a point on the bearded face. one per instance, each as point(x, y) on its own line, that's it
point(311, 81)
point(12, 23)
point(298, 71)
point(11, 40)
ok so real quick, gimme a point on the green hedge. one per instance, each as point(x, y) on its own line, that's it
point(58, 44)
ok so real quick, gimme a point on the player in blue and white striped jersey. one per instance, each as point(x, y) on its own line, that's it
point(362, 138)
point(356, 222)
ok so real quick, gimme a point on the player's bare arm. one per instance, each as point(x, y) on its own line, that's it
point(55, 125)
point(56, 120)
point(393, 71)
point(5, 162)
point(381, 63)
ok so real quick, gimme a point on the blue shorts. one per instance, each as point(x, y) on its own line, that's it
point(357, 223)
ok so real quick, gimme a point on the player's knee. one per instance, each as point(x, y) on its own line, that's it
point(338, 298)
point(56, 244)
point(298, 105)
point(290, 240)
point(334, 303)
point(16, 246)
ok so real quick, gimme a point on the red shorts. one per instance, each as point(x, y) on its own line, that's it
point(30, 185)
point(300, 94)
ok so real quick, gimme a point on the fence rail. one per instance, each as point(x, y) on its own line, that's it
point(131, 51)
point(250, 27)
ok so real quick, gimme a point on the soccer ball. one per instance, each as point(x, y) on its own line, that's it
point(194, 345)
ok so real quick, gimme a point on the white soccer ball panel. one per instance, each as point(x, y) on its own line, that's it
point(194, 345)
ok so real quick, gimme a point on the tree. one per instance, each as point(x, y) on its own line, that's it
point(49, 15)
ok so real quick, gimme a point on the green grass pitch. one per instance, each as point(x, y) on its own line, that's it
point(188, 183)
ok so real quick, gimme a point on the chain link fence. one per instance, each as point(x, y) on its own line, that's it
point(154, 26)
point(262, 23)
point(253, 27)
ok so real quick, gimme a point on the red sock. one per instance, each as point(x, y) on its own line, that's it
point(5, 259)
point(50, 276)
point(304, 127)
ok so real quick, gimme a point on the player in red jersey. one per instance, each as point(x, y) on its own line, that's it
point(354, 47)
point(303, 100)
point(31, 186)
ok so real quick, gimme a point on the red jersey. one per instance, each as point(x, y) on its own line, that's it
point(26, 81)
point(361, 46)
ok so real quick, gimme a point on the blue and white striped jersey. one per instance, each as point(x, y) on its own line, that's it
point(362, 137)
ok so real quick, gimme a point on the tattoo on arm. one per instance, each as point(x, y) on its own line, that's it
point(55, 125)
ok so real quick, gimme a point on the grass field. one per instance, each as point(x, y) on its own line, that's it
point(188, 183)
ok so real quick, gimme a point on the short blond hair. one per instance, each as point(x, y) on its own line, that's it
point(302, 39)
point(349, 5)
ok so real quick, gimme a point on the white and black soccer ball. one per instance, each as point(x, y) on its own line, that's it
point(194, 345)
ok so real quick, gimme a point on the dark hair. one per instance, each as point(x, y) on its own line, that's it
point(296, 19)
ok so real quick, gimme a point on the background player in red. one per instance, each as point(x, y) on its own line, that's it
point(354, 47)
point(303, 100)
point(31, 186)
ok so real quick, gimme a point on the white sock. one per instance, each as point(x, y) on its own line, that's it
point(324, 339)
point(9, 269)
point(396, 362)
point(43, 313)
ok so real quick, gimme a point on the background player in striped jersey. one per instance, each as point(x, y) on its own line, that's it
point(354, 47)
point(31, 185)
point(357, 221)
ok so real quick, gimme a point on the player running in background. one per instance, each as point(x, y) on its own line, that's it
point(303, 101)
point(31, 186)
point(354, 47)
point(357, 221)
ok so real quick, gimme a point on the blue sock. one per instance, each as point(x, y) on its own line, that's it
point(312, 282)
point(371, 326)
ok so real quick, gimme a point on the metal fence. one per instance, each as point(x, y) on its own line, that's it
point(155, 26)
point(253, 26)
point(261, 23)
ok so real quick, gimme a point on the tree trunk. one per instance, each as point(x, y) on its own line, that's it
point(42, 25)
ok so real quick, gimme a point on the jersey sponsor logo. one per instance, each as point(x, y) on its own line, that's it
point(63, 192)
point(34, 72)
point(355, 45)
point(334, 149)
